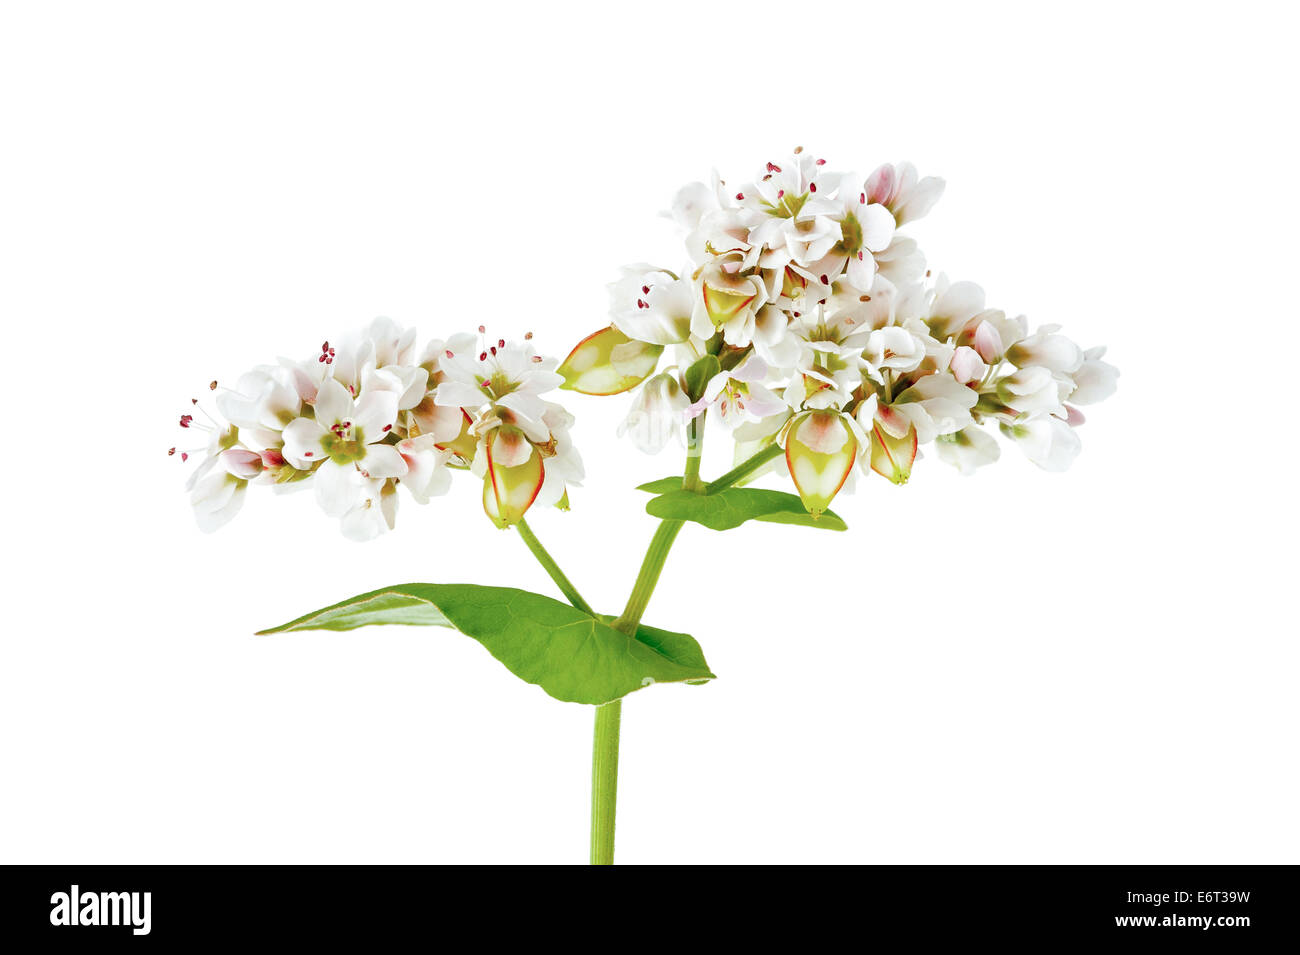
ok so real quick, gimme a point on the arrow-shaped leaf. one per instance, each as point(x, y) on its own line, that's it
point(570, 654)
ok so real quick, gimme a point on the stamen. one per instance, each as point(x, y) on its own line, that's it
point(821, 162)
point(825, 280)
point(798, 150)
point(212, 385)
point(449, 354)
point(812, 187)
point(537, 358)
point(528, 336)
point(773, 167)
point(862, 198)
point(187, 420)
point(740, 195)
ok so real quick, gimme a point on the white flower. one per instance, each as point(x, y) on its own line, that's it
point(563, 463)
point(797, 210)
point(262, 402)
point(694, 201)
point(1047, 349)
point(373, 513)
point(657, 414)
point(935, 405)
point(953, 306)
point(865, 229)
point(1047, 441)
point(345, 440)
point(900, 190)
point(426, 473)
point(505, 375)
point(1034, 390)
point(738, 394)
point(1094, 380)
point(970, 448)
point(727, 300)
point(652, 305)
point(895, 348)
point(217, 498)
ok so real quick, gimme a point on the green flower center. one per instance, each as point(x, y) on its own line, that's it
point(852, 235)
point(344, 444)
point(786, 207)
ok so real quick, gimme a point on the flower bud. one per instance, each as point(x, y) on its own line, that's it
point(892, 457)
point(819, 450)
point(608, 363)
point(514, 475)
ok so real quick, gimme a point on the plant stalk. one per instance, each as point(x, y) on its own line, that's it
point(604, 782)
point(744, 469)
point(604, 762)
point(551, 567)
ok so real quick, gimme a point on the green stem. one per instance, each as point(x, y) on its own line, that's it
point(694, 454)
point(551, 567)
point(744, 469)
point(604, 782)
point(604, 761)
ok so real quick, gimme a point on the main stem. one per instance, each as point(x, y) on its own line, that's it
point(609, 718)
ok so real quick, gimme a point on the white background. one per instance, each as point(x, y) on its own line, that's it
point(1098, 666)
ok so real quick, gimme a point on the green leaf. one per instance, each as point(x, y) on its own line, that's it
point(698, 375)
point(570, 654)
point(734, 506)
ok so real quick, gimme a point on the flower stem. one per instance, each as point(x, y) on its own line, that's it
point(551, 567)
point(744, 469)
point(604, 782)
point(694, 453)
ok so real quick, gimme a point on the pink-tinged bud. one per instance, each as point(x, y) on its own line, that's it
point(892, 457)
point(508, 491)
point(608, 363)
point(819, 450)
point(242, 463)
point(967, 365)
point(988, 342)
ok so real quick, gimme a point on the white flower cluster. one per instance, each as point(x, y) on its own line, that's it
point(362, 418)
point(828, 335)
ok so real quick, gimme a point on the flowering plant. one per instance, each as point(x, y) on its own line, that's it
point(804, 321)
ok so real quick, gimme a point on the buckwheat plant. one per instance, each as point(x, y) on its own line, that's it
point(804, 321)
